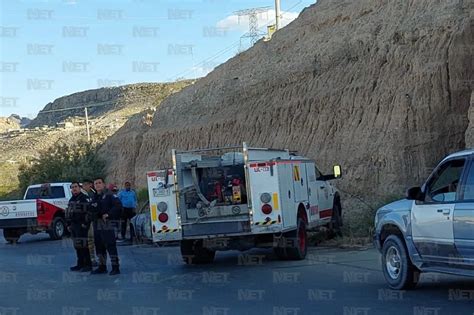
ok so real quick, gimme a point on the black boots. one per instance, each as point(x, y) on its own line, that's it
point(115, 271)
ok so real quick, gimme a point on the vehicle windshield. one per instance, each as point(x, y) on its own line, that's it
point(50, 192)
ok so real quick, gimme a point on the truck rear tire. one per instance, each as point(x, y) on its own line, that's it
point(297, 246)
point(12, 235)
point(193, 252)
point(58, 229)
point(336, 221)
point(397, 268)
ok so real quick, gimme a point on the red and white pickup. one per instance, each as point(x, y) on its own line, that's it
point(41, 210)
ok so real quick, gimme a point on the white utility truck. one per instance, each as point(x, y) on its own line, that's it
point(241, 198)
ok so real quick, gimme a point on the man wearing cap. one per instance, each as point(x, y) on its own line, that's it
point(78, 224)
point(108, 214)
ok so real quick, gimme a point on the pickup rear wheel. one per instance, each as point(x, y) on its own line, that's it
point(298, 246)
point(12, 235)
point(335, 227)
point(58, 228)
point(397, 268)
point(193, 252)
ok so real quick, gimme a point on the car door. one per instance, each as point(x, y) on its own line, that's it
point(432, 219)
point(464, 220)
point(325, 204)
point(313, 187)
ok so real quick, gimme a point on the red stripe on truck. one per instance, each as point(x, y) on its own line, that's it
point(47, 213)
point(325, 213)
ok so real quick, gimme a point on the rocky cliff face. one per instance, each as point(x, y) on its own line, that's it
point(382, 87)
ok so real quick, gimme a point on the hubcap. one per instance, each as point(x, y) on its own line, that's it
point(59, 229)
point(393, 262)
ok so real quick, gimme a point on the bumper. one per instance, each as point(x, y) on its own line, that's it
point(216, 228)
point(18, 223)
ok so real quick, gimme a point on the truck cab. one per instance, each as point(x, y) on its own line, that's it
point(41, 210)
point(431, 230)
point(240, 198)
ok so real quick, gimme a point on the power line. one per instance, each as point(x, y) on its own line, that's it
point(254, 33)
point(225, 50)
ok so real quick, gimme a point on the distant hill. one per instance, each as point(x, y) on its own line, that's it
point(21, 121)
point(107, 99)
point(8, 123)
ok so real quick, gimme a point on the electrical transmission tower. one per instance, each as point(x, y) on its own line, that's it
point(253, 34)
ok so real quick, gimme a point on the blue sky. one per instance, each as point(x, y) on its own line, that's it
point(52, 48)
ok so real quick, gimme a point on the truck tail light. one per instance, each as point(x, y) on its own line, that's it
point(40, 207)
point(267, 209)
point(162, 206)
point(163, 217)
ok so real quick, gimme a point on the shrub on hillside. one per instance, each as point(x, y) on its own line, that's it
point(62, 163)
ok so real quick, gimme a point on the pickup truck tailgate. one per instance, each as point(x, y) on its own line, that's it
point(21, 209)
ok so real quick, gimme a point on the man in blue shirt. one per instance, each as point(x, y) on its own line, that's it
point(128, 197)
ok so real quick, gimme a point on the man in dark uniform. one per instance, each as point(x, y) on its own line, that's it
point(78, 224)
point(108, 213)
point(88, 186)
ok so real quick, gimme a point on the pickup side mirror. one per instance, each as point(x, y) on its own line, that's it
point(415, 193)
point(337, 173)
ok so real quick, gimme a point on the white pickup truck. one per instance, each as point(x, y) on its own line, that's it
point(42, 209)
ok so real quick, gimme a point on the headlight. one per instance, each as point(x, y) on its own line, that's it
point(265, 198)
point(162, 206)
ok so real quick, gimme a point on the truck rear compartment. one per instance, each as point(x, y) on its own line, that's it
point(213, 195)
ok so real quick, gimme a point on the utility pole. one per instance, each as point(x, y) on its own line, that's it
point(87, 125)
point(278, 14)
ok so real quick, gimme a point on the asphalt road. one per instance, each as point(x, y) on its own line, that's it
point(34, 279)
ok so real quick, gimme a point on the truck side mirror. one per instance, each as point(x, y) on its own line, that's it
point(415, 193)
point(337, 171)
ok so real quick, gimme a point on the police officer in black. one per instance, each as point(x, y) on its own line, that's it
point(108, 214)
point(78, 224)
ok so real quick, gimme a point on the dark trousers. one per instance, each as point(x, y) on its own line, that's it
point(127, 214)
point(79, 238)
point(104, 239)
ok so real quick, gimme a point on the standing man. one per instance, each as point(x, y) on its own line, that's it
point(78, 225)
point(87, 186)
point(128, 197)
point(108, 214)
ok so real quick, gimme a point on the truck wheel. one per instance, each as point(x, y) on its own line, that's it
point(193, 252)
point(299, 246)
point(58, 228)
point(336, 221)
point(397, 268)
point(12, 235)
